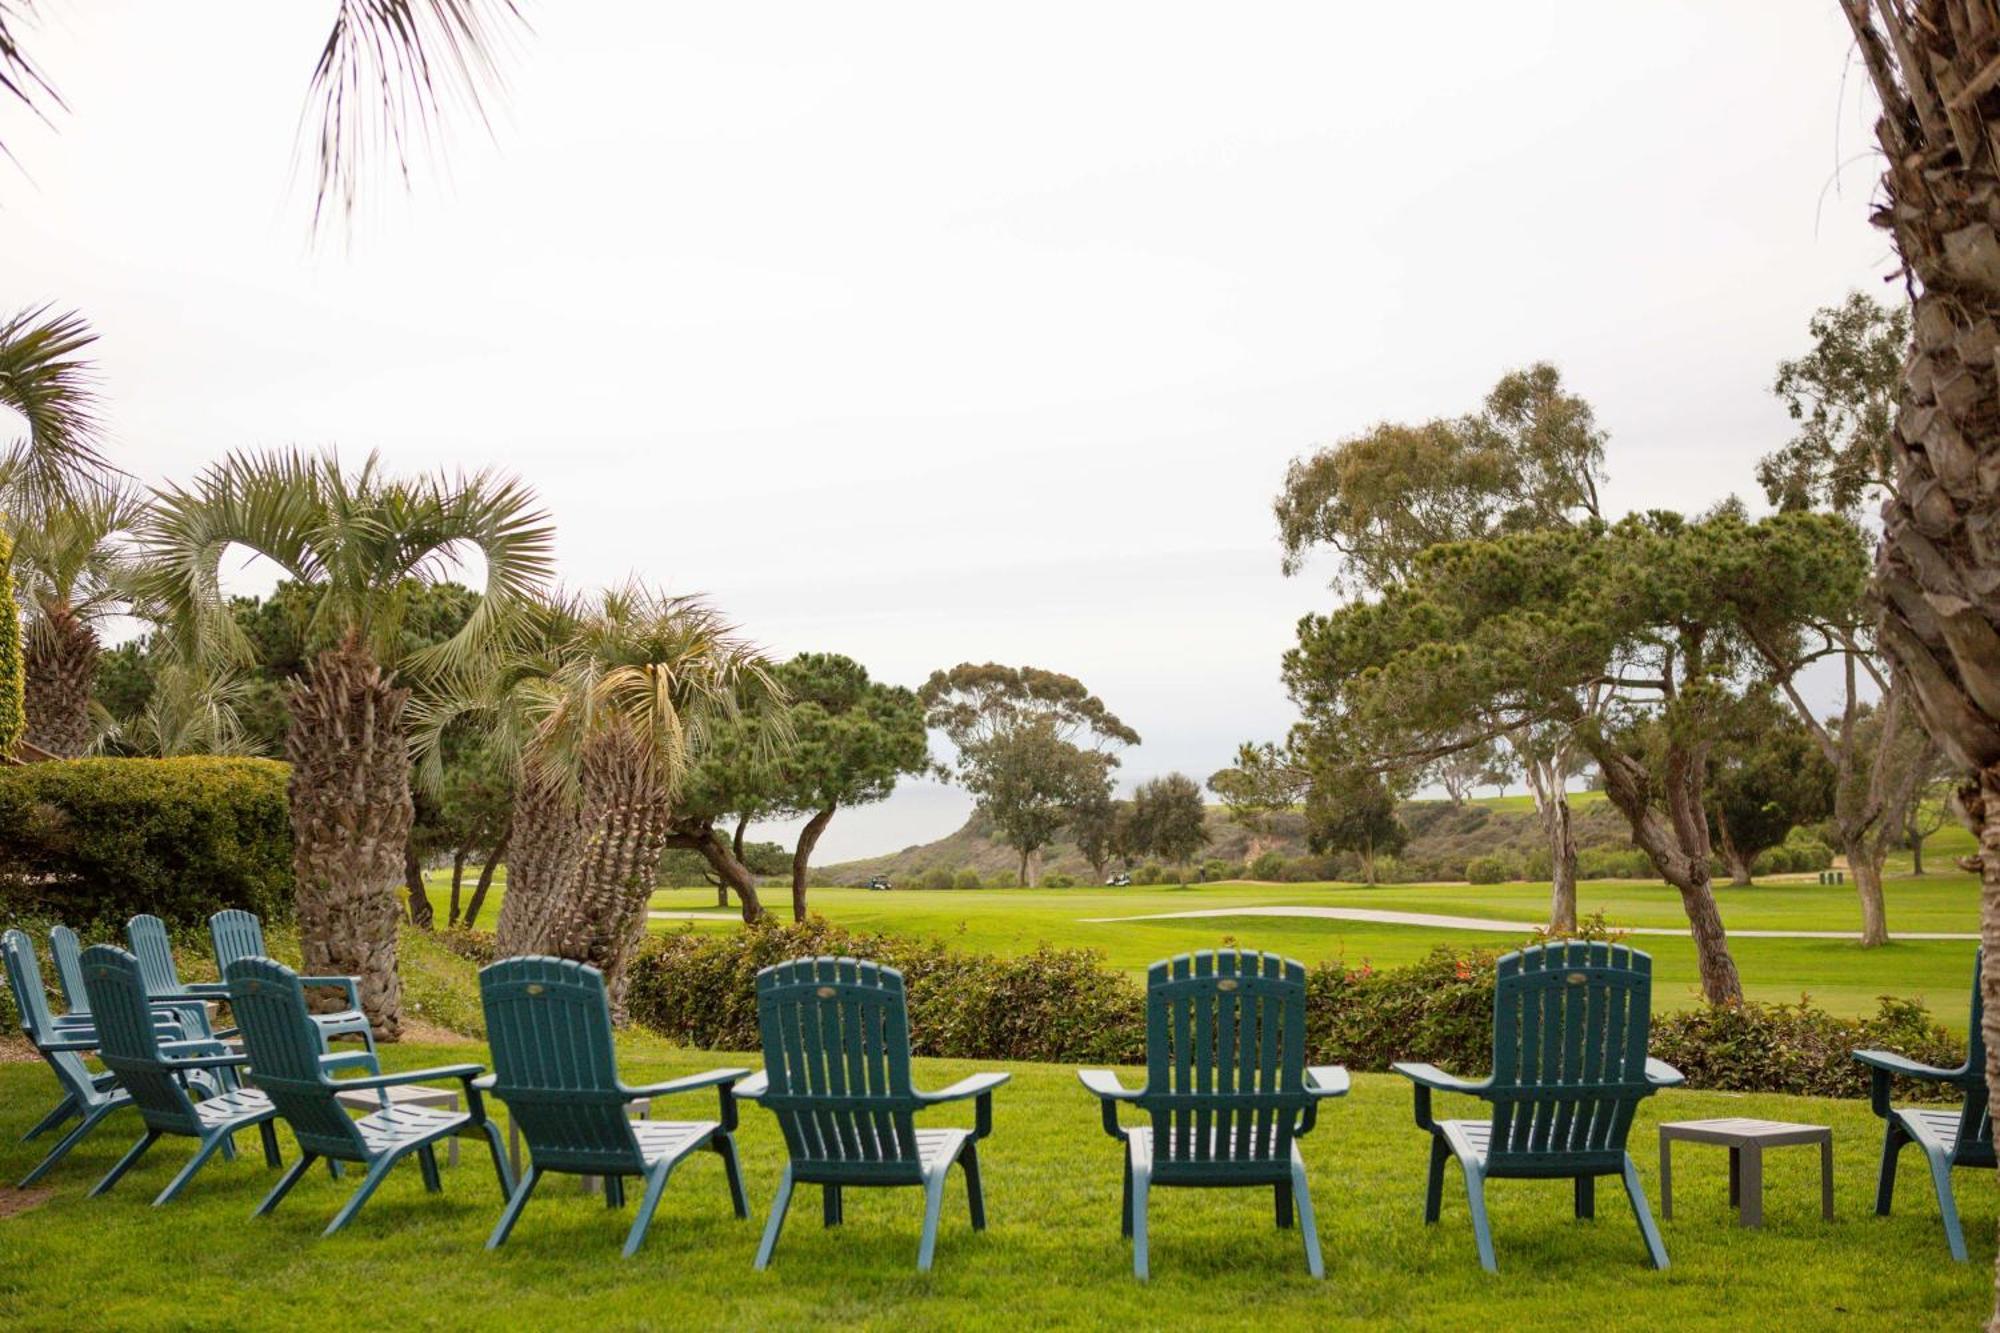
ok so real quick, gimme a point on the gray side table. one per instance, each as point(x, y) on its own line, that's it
point(1746, 1141)
point(368, 1100)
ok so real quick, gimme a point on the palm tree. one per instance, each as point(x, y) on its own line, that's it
point(613, 707)
point(69, 575)
point(388, 75)
point(53, 388)
point(359, 544)
point(1935, 65)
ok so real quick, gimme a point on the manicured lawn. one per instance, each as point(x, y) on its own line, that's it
point(1052, 1256)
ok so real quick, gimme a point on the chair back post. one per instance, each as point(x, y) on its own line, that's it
point(1974, 1145)
point(548, 1023)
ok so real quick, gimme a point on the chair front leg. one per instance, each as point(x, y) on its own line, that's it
point(62, 1111)
point(975, 1191)
point(779, 1206)
point(1434, 1185)
point(724, 1145)
point(1893, 1139)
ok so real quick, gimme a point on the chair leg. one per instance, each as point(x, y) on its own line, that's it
point(1282, 1199)
point(777, 1223)
point(1586, 1196)
point(829, 1205)
point(614, 1191)
point(1947, 1206)
point(1434, 1187)
point(512, 1212)
point(1655, 1249)
point(194, 1164)
point(267, 1130)
point(1475, 1201)
point(724, 1144)
point(656, 1185)
point(1142, 1181)
point(68, 1141)
point(501, 1171)
point(62, 1111)
point(377, 1169)
point(284, 1185)
point(1893, 1140)
point(1125, 1215)
point(933, 1211)
point(427, 1162)
point(228, 1144)
point(975, 1189)
point(125, 1163)
point(1307, 1231)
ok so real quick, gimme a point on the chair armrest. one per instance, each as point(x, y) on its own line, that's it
point(1884, 1066)
point(1429, 1077)
point(1327, 1081)
point(193, 1046)
point(344, 983)
point(464, 1073)
point(486, 1082)
point(209, 990)
point(687, 1083)
point(978, 1086)
point(1663, 1075)
point(69, 1043)
point(333, 1060)
point(230, 1061)
point(753, 1088)
point(1109, 1093)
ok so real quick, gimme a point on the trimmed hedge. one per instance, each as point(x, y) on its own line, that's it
point(94, 841)
point(1799, 1048)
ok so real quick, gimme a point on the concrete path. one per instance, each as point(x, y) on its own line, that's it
point(694, 916)
point(1491, 926)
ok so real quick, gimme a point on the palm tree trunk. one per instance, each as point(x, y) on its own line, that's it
point(351, 812)
point(1930, 61)
point(546, 849)
point(60, 658)
point(802, 858)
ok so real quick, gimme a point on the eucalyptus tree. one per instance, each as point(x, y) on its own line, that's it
point(71, 573)
point(1937, 569)
point(356, 544)
point(1531, 457)
point(1169, 818)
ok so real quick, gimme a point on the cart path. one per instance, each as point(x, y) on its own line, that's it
point(1379, 916)
point(694, 916)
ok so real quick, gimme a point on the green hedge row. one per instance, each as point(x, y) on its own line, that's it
point(96, 841)
point(1066, 1006)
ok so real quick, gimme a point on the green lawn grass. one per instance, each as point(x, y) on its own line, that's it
point(1051, 1258)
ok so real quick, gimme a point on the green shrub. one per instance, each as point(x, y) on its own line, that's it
point(1614, 863)
point(1148, 873)
point(967, 878)
point(1496, 869)
point(1269, 867)
point(1799, 1048)
point(1173, 875)
point(1003, 879)
point(1213, 870)
point(1058, 881)
point(1051, 1005)
point(1801, 853)
point(937, 877)
point(1538, 864)
point(96, 841)
point(1438, 1010)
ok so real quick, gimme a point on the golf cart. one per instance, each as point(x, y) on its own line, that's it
point(879, 882)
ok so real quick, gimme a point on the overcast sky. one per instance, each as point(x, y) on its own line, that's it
point(925, 333)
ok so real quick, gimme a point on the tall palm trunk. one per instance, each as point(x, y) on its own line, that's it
point(545, 849)
point(1938, 569)
point(626, 813)
point(61, 662)
point(351, 811)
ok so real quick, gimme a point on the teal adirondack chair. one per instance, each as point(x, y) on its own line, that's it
point(1948, 1139)
point(239, 934)
point(1570, 1026)
point(147, 935)
point(156, 1074)
point(836, 1035)
point(549, 1024)
point(91, 1096)
point(63, 947)
point(1227, 1087)
point(289, 1066)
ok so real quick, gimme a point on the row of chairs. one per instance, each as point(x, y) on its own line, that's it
point(1227, 1098)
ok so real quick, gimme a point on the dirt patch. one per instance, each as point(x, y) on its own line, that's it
point(416, 1032)
point(16, 1049)
point(13, 1201)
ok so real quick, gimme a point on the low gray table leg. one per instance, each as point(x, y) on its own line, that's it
point(1826, 1178)
point(1750, 1212)
point(1666, 1178)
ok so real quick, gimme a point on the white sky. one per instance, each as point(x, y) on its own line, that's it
point(926, 334)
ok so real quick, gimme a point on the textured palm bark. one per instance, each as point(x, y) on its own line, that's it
point(601, 920)
point(1935, 65)
point(542, 860)
point(351, 810)
point(60, 660)
point(802, 858)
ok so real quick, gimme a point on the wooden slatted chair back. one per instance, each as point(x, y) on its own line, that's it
point(235, 934)
point(1225, 1063)
point(147, 935)
point(1975, 1117)
point(68, 953)
point(836, 1035)
point(1571, 1021)
point(269, 1005)
point(548, 1021)
point(31, 1001)
point(129, 1043)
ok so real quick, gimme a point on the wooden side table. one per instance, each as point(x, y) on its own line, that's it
point(407, 1094)
point(1746, 1141)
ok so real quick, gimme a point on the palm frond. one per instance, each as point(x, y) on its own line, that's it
point(391, 73)
point(20, 78)
point(76, 555)
point(43, 377)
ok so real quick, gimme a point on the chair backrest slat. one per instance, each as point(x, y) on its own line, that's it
point(64, 948)
point(284, 1048)
point(129, 1043)
point(548, 1021)
point(235, 934)
point(155, 952)
point(31, 1001)
point(836, 1035)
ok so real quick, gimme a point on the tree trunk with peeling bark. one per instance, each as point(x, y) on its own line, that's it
point(1935, 65)
point(351, 811)
point(1545, 780)
point(802, 857)
point(60, 660)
